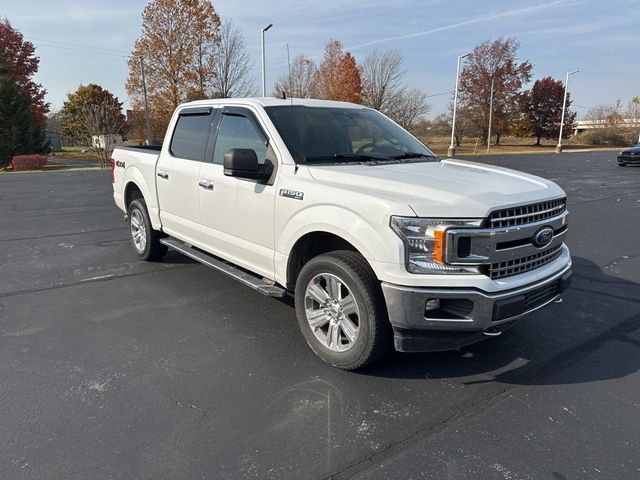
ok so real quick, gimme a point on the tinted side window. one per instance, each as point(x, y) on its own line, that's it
point(190, 136)
point(238, 132)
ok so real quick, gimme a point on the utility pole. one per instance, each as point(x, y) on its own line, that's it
point(490, 119)
point(452, 147)
point(264, 77)
point(146, 103)
point(564, 106)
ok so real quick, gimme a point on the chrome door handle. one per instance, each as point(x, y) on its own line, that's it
point(163, 174)
point(208, 184)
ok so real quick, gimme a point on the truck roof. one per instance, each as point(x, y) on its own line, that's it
point(272, 102)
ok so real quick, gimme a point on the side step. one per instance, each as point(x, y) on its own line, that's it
point(234, 272)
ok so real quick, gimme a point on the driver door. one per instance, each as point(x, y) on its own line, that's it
point(237, 214)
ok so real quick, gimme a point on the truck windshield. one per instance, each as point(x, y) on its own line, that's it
point(338, 135)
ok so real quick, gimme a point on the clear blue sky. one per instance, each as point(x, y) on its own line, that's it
point(85, 41)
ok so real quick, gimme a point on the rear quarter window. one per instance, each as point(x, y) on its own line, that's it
point(190, 137)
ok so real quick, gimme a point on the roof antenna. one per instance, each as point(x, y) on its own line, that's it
point(283, 95)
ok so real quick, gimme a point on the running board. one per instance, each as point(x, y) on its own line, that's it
point(236, 273)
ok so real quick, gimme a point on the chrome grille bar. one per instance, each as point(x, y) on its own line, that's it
point(527, 214)
point(523, 264)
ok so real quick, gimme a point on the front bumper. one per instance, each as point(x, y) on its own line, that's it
point(459, 316)
point(629, 159)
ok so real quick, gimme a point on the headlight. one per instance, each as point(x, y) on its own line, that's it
point(424, 243)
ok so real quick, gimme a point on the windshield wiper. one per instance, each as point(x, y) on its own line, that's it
point(413, 155)
point(357, 157)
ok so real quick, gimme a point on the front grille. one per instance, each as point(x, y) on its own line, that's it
point(541, 295)
point(523, 264)
point(535, 212)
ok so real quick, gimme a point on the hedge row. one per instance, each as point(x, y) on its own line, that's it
point(28, 162)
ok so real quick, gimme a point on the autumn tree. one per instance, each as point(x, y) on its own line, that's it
point(177, 45)
point(543, 110)
point(296, 83)
point(20, 132)
point(338, 76)
point(76, 110)
point(494, 62)
point(21, 63)
point(231, 65)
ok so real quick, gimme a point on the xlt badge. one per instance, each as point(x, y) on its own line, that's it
point(295, 194)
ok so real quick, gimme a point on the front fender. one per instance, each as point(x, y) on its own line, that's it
point(377, 243)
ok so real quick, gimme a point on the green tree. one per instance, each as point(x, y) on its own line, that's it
point(78, 103)
point(19, 130)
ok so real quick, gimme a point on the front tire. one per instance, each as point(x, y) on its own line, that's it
point(340, 310)
point(144, 239)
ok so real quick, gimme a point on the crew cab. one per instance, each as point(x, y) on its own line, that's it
point(382, 244)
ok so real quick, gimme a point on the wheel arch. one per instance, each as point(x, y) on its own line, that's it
point(310, 245)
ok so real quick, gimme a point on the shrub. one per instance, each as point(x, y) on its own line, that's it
point(28, 162)
point(604, 136)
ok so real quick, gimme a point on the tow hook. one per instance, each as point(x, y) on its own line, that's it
point(492, 332)
point(126, 218)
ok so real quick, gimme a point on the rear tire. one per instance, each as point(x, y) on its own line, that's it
point(144, 239)
point(340, 310)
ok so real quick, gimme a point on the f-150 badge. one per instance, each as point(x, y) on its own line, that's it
point(295, 194)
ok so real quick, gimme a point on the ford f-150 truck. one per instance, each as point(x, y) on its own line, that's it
point(380, 242)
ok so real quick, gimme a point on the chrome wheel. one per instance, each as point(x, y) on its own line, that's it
point(332, 312)
point(138, 230)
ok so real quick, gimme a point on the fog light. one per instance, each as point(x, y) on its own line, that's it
point(432, 304)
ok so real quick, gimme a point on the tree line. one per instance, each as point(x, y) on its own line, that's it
point(377, 83)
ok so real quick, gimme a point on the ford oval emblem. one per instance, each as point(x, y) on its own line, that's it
point(543, 237)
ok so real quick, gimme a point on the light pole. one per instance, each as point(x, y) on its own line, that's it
point(564, 106)
point(147, 121)
point(264, 78)
point(452, 147)
point(490, 117)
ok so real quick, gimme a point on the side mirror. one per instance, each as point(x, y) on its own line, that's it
point(243, 163)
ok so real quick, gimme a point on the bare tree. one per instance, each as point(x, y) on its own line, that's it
point(633, 115)
point(297, 83)
point(382, 76)
point(231, 65)
point(606, 116)
point(105, 124)
point(384, 90)
point(409, 105)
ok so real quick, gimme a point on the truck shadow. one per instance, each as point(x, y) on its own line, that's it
point(596, 310)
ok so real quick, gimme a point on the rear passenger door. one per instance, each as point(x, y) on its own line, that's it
point(177, 173)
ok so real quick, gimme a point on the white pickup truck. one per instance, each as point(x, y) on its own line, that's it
point(380, 242)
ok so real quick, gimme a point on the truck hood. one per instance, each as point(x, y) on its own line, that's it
point(446, 189)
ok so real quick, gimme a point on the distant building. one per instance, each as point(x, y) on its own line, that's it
point(581, 126)
point(55, 141)
point(106, 141)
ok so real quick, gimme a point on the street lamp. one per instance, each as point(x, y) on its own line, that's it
point(264, 79)
point(452, 147)
point(564, 106)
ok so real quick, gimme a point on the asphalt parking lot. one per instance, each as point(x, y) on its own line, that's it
point(115, 369)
